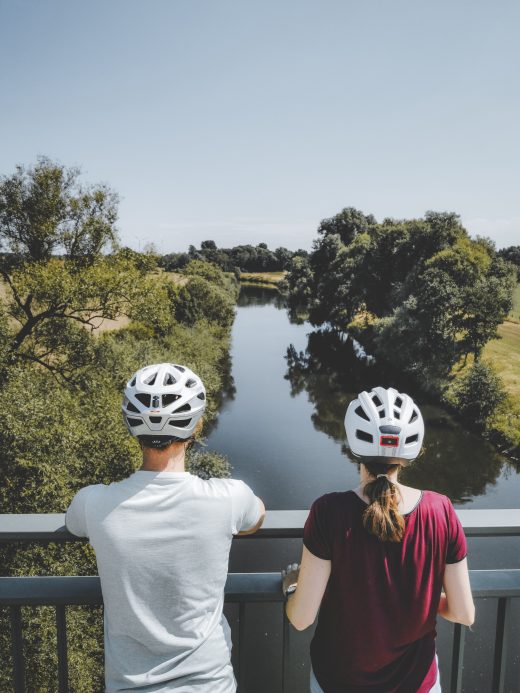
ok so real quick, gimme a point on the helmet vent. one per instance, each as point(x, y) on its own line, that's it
point(134, 422)
point(412, 439)
point(169, 379)
point(376, 401)
point(155, 401)
point(144, 398)
point(181, 423)
point(201, 395)
point(185, 407)
point(398, 402)
point(190, 382)
point(150, 380)
point(413, 416)
point(179, 368)
point(132, 382)
point(367, 437)
point(381, 413)
point(155, 419)
point(397, 415)
point(169, 399)
point(362, 413)
point(132, 407)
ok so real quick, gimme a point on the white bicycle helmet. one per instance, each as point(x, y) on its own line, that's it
point(163, 402)
point(384, 423)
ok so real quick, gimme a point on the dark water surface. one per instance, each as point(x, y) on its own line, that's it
point(283, 433)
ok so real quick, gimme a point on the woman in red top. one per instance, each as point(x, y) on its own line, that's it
point(375, 561)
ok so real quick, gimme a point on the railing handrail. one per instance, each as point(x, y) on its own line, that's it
point(53, 590)
point(60, 591)
point(281, 524)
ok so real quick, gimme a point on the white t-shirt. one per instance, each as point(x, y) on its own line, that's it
point(162, 542)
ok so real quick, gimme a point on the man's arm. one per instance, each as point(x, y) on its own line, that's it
point(248, 511)
point(260, 522)
point(75, 515)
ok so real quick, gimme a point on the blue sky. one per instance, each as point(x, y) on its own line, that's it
point(246, 121)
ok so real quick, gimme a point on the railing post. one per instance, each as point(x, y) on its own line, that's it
point(63, 669)
point(17, 649)
point(286, 659)
point(242, 647)
point(499, 663)
point(457, 658)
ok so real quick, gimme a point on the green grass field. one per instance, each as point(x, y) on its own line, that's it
point(505, 355)
point(505, 352)
point(515, 313)
point(271, 278)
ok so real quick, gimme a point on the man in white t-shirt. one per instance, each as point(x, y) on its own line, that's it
point(162, 538)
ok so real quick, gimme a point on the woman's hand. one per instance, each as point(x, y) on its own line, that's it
point(290, 576)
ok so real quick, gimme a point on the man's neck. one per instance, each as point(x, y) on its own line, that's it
point(170, 460)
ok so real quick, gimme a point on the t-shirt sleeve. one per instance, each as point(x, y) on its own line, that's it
point(457, 544)
point(75, 516)
point(316, 535)
point(246, 509)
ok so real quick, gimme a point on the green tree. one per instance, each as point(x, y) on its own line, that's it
point(51, 302)
point(206, 270)
point(512, 255)
point(420, 292)
point(199, 299)
point(347, 224)
point(45, 209)
point(477, 393)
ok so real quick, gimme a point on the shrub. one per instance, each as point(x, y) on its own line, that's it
point(208, 465)
point(206, 270)
point(477, 393)
point(201, 300)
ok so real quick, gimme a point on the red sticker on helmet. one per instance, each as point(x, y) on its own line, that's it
point(389, 441)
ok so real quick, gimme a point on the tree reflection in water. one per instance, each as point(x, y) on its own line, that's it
point(455, 461)
point(257, 295)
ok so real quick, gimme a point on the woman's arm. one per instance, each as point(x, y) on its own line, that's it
point(302, 606)
point(457, 603)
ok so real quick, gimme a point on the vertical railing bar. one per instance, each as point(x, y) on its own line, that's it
point(17, 649)
point(286, 629)
point(63, 669)
point(457, 658)
point(499, 660)
point(241, 647)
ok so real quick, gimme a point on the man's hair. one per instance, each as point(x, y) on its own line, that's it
point(162, 442)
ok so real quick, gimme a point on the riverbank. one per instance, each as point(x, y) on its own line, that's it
point(262, 278)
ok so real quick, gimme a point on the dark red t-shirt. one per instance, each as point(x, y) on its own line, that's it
point(376, 625)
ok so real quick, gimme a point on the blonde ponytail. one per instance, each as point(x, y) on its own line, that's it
point(382, 517)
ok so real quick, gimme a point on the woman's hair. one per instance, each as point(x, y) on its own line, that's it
point(382, 517)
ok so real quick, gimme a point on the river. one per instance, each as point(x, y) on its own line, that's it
point(281, 427)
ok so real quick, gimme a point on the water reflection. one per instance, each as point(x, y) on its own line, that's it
point(256, 295)
point(455, 462)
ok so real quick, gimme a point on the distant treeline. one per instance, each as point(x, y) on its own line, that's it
point(511, 254)
point(246, 258)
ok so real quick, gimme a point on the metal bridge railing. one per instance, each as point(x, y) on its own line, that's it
point(241, 588)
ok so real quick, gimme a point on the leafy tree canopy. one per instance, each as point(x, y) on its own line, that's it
point(430, 294)
point(57, 278)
